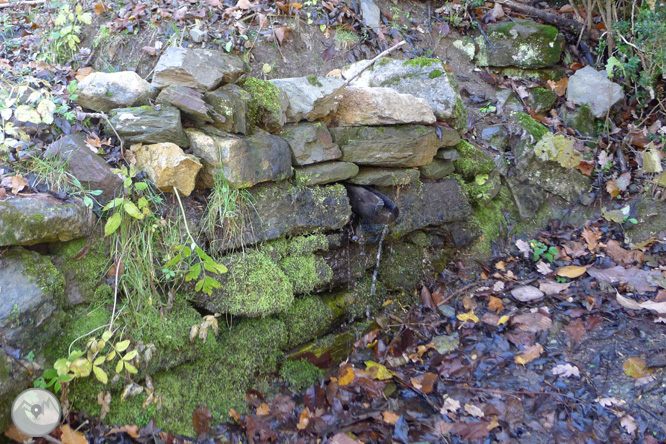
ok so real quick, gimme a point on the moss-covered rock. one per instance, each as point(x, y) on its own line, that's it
point(402, 266)
point(307, 318)
point(254, 286)
point(268, 104)
point(531, 126)
point(83, 275)
point(542, 99)
point(520, 43)
point(306, 272)
point(218, 379)
point(300, 374)
point(580, 120)
point(32, 296)
point(472, 161)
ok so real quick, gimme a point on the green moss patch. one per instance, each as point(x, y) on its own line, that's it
point(300, 374)
point(306, 319)
point(421, 62)
point(472, 161)
point(254, 286)
point(533, 128)
point(264, 110)
point(306, 273)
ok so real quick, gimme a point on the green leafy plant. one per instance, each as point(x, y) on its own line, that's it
point(539, 250)
point(96, 359)
point(488, 108)
point(137, 209)
point(200, 266)
point(64, 37)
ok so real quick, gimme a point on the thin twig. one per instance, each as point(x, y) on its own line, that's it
point(373, 61)
point(115, 292)
point(22, 3)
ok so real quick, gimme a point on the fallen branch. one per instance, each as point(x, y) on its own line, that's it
point(552, 19)
point(21, 3)
point(372, 62)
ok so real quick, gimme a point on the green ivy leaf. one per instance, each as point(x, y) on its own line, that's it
point(50, 373)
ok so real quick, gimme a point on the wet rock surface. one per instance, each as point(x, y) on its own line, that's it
point(41, 218)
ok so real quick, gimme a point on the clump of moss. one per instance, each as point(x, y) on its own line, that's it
point(401, 265)
point(307, 318)
point(265, 110)
point(421, 62)
point(542, 99)
point(306, 273)
point(435, 73)
point(254, 286)
point(533, 128)
point(300, 374)
point(82, 276)
point(219, 379)
point(314, 81)
point(472, 161)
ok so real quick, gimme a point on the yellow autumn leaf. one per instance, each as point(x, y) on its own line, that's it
point(635, 367)
point(529, 355)
point(381, 372)
point(469, 316)
point(503, 320)
point(571, 271)
point(347, 378)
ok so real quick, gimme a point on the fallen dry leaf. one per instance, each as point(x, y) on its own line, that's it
point(450, 405)
point(659, 307)
point(566, 371)
point(560, 87)
point(635, 367)
point(629, 424)
point(635, 277)
point(263, 410)
point(390, 417)
point(495, 304)
point(532, 322)
point(104, 399)
point(551, 287)
point(530, 354)
point(527, 293)
point(70, 436)
point(622, 256)
point(131, 430)
point(571, 271)
point(474, 410)
point(304, 419)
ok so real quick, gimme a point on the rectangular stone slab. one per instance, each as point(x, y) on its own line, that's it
point(280, 209)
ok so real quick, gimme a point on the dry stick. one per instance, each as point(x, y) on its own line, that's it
point(547, 17)
point(21, 3)
point(372, 62)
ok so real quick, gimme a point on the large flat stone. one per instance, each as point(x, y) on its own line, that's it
point(104, 91)
point(521, 43)
point(244, 161)
point(392, 146)
point(146, 124)
point(361, 106)
point(422, 77)
point(427, 204)
point(90, 169)
point(310, 143)
point(188, 100)
point(310, 98)
point(41, 218)
point(280, 209)
point(202, 69)
point(327, 172)
point(386, 177)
